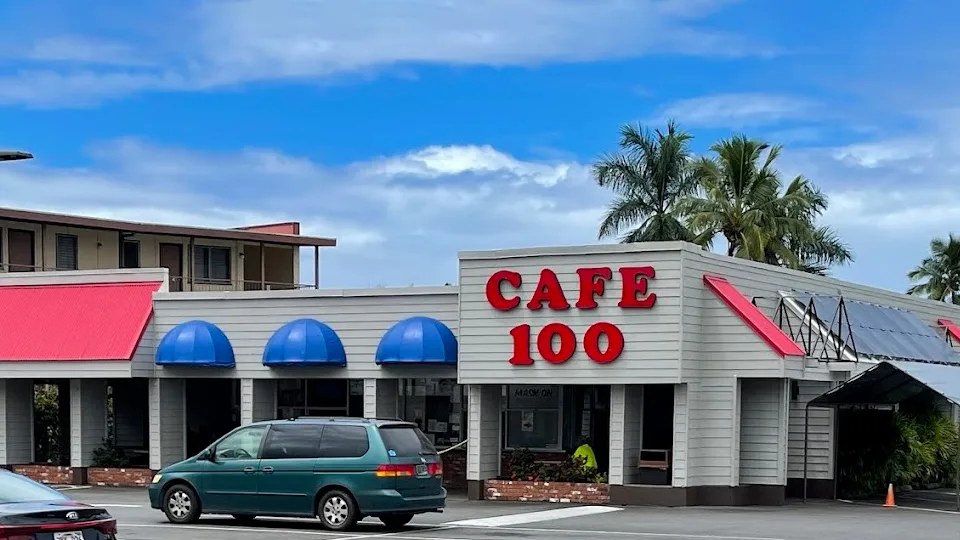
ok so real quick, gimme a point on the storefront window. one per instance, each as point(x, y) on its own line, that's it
point(533, 417)
point(319, 397)
point(438, 406)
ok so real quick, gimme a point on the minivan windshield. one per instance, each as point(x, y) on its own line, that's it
point(406, 441)
point(15, 488)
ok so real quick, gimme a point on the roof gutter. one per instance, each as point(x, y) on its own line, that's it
point(815, 323)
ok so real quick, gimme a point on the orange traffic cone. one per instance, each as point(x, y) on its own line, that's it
point(889, 503)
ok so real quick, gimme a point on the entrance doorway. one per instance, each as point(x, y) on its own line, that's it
point(656, 439)
point(213, 410)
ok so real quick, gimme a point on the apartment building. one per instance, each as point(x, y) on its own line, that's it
point(259, 257)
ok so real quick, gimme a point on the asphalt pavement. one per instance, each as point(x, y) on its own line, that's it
point(471, 520)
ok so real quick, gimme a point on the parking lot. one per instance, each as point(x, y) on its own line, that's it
point(465, 520)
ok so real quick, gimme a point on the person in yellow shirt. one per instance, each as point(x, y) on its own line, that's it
point(585, 451)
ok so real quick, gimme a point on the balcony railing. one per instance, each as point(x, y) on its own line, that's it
point(181, 284)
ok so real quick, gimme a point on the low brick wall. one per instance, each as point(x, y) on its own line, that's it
point(47, 474)
point(455, 469)
point(119, 477)
point(558, 492)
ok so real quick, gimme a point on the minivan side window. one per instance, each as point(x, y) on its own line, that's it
point(241, 444)
point(343, 441)
point(293, 442)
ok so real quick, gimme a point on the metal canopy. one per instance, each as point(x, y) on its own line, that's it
point(889, 383)
point(881, 332)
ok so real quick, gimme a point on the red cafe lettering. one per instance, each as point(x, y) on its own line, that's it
point(548, 292)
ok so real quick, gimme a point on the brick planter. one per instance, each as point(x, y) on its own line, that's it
point(558, 492)
point(455, 469)
point(97, 476)
point(47, 474)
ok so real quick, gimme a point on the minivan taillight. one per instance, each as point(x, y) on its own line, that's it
point(436, 469)
point(396, 470)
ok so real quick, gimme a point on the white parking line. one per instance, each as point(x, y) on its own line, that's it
point(639, 534)
point(533, 517)
point(255, 530)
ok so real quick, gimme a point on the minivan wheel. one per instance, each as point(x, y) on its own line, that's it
point(396, 521)
point(337, 511)
point(181, 504)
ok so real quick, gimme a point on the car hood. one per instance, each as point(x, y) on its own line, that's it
point(41, 506)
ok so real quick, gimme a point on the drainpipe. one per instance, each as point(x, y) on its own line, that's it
point(806, 444)
point(808, 319)
point(316, 267)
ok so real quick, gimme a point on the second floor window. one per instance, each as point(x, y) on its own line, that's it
point(211, 263)
point(66, 252)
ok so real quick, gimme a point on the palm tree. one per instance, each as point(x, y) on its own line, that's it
point(742, 199)
point(939, 273)
point(649, 175)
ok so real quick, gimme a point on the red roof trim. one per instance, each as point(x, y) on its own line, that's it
point(776, 338)
point(74, 322)
point(952, 329)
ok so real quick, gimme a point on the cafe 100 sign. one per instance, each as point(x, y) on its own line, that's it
point(548, 293)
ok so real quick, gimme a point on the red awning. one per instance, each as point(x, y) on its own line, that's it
point(952, 329)
point(101, 321)
point(750, 314)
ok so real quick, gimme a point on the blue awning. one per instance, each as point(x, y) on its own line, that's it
point(195, 344)
point(304, 342)
point(889, 383)
point(882, 332)
point(418, 340)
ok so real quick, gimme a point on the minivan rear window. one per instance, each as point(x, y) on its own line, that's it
point(406, 441)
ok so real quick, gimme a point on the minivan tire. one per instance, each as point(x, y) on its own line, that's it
point(181, 504)
point(396, 521)
point(337, 510)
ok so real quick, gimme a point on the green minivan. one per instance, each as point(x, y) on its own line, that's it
point(339, 470)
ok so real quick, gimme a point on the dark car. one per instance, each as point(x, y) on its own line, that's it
point(32, 511)
point(339, 470)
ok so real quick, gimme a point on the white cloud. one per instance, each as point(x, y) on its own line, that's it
point(439, 161)
point(225, 42)
point(391, 228)
point(735, 110)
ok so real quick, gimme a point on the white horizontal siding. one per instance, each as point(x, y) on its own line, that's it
point(651, 351)
point(249, 319)
point(820, 448)
point(761, 429)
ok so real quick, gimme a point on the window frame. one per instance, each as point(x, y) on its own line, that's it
point(263, 438)
point(207, 279)
point(366, 432)
point(123, 253)
point(278, 429)
point(76, 251)
point(405, 383)
point(505, 416)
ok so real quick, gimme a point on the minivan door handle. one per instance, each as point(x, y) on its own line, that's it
point(249, 469)
point(268, 470)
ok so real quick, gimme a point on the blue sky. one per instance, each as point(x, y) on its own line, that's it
point(411, 129)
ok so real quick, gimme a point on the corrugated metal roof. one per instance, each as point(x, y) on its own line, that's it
point(882, 332)
point(101, 321)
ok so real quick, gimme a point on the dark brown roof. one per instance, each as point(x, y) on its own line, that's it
point(167, 230)
point(12, 155)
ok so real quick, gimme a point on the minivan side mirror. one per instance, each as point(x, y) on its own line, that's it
point(206, 455)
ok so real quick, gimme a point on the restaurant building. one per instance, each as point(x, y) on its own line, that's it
point(699, 378)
